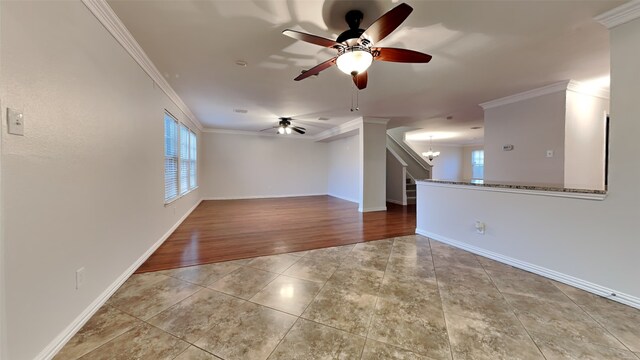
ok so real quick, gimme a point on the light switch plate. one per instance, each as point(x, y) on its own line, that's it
point(15, 122)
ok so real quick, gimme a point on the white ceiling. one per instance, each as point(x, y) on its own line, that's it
point(482, 50)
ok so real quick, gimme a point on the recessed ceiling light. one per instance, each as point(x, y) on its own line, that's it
point(323, 118)
point(449, 117)
point(241, 111)
point(476, 127)
point(241, 63)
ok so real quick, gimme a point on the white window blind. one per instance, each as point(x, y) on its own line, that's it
point(170, 158)
point(184, 159)
point(193, 160)
point(477, 164)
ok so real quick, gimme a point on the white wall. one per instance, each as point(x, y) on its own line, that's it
point(584, 143)
point(344, 168)
point(396, 179)
point(447, 166)
point(249, 166)
point(467, 168)
point(593, 241)
point(532, 126)
point(85, 184)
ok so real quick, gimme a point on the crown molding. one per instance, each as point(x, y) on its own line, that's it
point(105, 14)
point(343, 130)
point(530, 94)
point(620, 15)
point(373, 120)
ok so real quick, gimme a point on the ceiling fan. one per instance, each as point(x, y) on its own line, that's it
point(355, 46)
point(284, 127)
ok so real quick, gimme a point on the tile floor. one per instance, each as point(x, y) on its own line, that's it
point(402, 298)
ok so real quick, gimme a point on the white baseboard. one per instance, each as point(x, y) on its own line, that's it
point(344, 198)
point(393, 201)
point(259, 196)
point(52, 349)
point(551, 274)
point(370, 209)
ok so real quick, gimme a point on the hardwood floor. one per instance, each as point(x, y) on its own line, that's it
point(224, 230)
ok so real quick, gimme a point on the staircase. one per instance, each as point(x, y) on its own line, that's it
point(410, 190)
point(403, 167)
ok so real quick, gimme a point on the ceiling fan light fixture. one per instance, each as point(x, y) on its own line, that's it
point(354, 61)
point(281, 130)
point(287, 130)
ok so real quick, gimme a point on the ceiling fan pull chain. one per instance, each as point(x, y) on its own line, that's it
point(357, 100)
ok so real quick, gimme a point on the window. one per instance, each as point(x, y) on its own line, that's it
point(477, 164)
point(180, 159)
point(184, 159)
point(193, 160)
point(170, 158)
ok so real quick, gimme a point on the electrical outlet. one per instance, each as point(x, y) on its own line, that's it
point(480, 227)
point(79, 278)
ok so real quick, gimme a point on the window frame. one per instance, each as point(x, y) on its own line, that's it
point(473, 164)
point(180, 161)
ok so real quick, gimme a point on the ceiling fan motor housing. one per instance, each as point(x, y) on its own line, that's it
point(353, 19)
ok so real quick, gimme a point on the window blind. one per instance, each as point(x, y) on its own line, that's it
point(193, 160)
point(477, 164)
point(170, 158)
point(184, 159)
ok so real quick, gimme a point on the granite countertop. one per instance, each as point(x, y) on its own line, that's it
point(536, 187)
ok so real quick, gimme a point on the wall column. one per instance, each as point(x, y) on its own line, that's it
point(373, 164)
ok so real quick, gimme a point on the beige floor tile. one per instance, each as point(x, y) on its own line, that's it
point(411, 249)
point(309, 268)
point(559, 348)
point(299, 253)
point(194, 353)
point(334, 254)
point(288, 294)
point(474, 339)
point(491, 308)
point(368, 259)
point(409, 289)
point(244, 282)
point(375, 350)
point(525, 283)
point(310, 341)
point(411, 266)
point(445, 255)
point(146, 295)
point(273, 263)
point(418, 327)
point(377, 246)
point(107, 324)
point(561, 320)
point(190, 318)
point(357, 279)
point(345, 310)
point(250, 333)
point(620, 320)
point(203, 274)
point(142, 342)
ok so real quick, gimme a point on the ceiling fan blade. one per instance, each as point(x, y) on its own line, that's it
point(387, 23)
point(400, 55)
point(269, 128)
point(298, 129)
point(316, 69)
point(361, 80)
point(313, 39)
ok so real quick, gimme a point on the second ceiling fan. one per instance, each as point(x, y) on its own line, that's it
point(355, 46)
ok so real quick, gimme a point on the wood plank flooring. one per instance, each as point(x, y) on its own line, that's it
point(224, 230)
